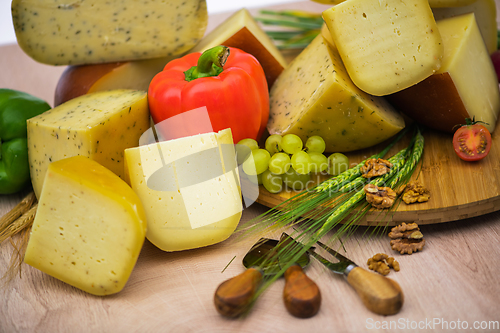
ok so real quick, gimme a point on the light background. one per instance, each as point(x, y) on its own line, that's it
point(7, 35)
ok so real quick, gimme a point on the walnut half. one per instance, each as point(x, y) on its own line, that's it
point(415, 192)
point(407, 238)
point(381, 263)
point(375, 167)
point(379, 197)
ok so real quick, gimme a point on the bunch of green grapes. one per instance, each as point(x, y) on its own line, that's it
point(287, 160)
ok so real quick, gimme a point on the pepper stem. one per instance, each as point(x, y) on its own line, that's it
point(210, 63)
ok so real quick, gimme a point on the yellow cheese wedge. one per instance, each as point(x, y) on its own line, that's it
point(314, 96)
point(466, 86)
point(99, 125)
point(241, 31)
point(89, 227)
point(191, 193)
point(486, 19)
point(388, 45)
point(96, 31)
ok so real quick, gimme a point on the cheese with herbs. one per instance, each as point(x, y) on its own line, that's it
point(189, 188)
point(315, 96)
point(466, 86)
point(89, 227)
point(386, 46)
point(96, 31)
point(99, 125)
point(241, 31)
point(485, 12)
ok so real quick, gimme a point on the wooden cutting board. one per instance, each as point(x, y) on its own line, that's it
point(458, 189)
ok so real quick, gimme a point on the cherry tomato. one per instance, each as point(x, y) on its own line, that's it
point(472, 142)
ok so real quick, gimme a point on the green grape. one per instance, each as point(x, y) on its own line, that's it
point(295, 180)
point(257, 163)
point(279, 163)
point(273, 144)
point(315, 144)
point(301, 162)
point(291, 144)
point(273, 183)
point(337, 163)
point(243, 149)
point(319, 162)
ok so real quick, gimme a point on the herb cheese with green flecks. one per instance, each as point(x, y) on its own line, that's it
point(95, 31)
point(315, 96)
point(99, 126)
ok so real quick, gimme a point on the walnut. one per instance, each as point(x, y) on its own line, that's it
point(375, 167)
point(378, 266)
point(407, 238)
point(379, 197)
point(391, 262)
point(415, 192)
point(378, 263)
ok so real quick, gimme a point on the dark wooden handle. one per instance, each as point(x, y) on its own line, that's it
point(301, 294)
point(379, 294)
point(233, 296)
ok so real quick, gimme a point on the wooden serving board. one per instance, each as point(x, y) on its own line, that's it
point(458, 189)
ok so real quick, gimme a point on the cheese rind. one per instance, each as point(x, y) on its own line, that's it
point(386, 46)
point(315, 96)
point(466, 86)
point(189, 188)
point(486, 18)
point(241, 31)
point(89, 227)
point(95, 31)
point(99, 125)
point(84, 79)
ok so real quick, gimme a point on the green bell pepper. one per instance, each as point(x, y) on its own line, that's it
point(15, 108)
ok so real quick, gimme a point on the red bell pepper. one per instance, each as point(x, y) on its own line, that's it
point(229, 82)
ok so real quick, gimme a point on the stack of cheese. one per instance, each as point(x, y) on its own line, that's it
point(439, 73)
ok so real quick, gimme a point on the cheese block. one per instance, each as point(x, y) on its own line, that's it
point(325, 32)
point(189, 188)
point(99, 125)
point(95, 31)
point(241, 31)
point(84, 79)
point(386, 46)
point(466, 86)
point(315, 96)
point(486, 18)
point(89, 227)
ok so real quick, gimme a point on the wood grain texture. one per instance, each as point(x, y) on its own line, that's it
point(454, 278)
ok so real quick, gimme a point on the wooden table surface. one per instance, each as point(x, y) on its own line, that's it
point(452, 284)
